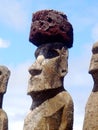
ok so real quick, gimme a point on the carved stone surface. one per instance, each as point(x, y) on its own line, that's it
point(49, 68)
point(55, 113)
point(52, 106)
point(91, 110)
point(49, 26)
point(3, 120)
point(4, 77)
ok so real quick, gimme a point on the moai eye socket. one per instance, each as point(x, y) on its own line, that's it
point(46, 52)
point(52, 53)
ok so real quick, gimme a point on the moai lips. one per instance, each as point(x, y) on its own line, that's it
point(50, 26)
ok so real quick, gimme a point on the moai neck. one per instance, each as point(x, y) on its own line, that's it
point(39, 97)
point(1, 100)
point(95, 78)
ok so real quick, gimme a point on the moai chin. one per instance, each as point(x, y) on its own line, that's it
point(52, 105)
point(4, 77)
point(91, 110)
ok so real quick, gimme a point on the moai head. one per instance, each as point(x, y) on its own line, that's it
point(50, 67)
point(93, 69)
point(53, 35)
point(4, 77)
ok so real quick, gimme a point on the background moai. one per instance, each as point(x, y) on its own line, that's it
point(52, 105)
point(4, 77)
point(91, 110)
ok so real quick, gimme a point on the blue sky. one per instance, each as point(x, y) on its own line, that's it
point(17, 53)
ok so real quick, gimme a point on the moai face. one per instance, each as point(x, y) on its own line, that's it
point(4, 77)
point(94, 60)
point(49, 68)
point(93, 69)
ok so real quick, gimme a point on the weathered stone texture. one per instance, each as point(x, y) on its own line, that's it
point(52, 106)
point(4, 77)
point(91, 110)
point(91, 113)
point(3, 120)
point(94, 60)
point(53, 114)
point(49, 68)
point(49, 26)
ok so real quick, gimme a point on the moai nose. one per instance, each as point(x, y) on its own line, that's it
point(36, 67)
point(40, 59)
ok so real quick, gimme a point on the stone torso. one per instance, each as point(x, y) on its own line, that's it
point(91, 113)
point(3, 120)
point(54, 114)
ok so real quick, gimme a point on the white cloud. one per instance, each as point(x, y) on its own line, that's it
point(4, 43)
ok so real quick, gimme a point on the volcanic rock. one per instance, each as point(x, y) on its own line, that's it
point(50, 26)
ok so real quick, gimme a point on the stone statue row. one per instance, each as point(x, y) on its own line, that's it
point(52, 106)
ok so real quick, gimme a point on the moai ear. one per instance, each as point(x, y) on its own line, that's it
point(64, 62)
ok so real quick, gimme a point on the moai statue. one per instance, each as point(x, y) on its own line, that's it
point(91, 110)
point(52, 105)
point(4, 77)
